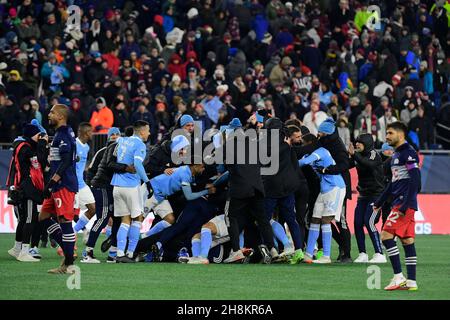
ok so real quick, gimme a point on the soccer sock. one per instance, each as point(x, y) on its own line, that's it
point(54, 231)
point(18, 245)
point(394, 255)
point(25, 248)
point(68, 242)
point(410, 260)
point(196, 245)
point(280, 233)
point(206, 241)
point(160, 226)
point(108, 231)
point(112, 252)
point(241, 239)
point(313, 235)
point(133, 237)
point(122, 235)
point(81, 223)
point(326, 239)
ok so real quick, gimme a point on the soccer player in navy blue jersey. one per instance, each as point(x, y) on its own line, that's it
point(60, 190)
point(403, 188)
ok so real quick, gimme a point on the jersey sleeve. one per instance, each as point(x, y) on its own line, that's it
point(140, 152)
point(64, 144)
point(412, 160)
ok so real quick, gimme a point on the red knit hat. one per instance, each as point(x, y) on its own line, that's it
point(159, 19)
point(109, 14)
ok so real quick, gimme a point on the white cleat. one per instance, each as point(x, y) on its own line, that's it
point(85, 235)
point(396, 282)
point(378, 258)
point(26, 257)
point(89, 259)
point(198, 260)
point(235, 257)
point(362, 258)
point(323, 260)
point(13, 252)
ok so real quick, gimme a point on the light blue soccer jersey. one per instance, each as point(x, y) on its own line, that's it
point(82, 155)
point(165, 185)
point(129, 151)
point(321, 157)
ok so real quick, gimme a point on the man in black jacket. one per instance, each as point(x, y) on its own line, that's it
point(29, 154)
point(370, 186)
point(280, 189)
point(329, 139)
point(100, 172)
point(246, 192)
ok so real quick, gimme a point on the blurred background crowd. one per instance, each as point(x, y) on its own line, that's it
point(219, 59)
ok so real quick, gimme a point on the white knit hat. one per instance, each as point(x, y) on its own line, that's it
point(193, 12)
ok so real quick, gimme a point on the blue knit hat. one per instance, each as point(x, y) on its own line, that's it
point(112, 131)
point(37, 124)
point(30, 130)
point(386, 147)
point(328, 126)
point(235, 123)
point(178, 143)
point(185, 119)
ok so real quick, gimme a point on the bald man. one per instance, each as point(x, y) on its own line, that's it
point(60, 190)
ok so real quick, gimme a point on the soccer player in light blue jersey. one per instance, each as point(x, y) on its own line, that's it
point(126, 192)
point(166, 185)
point(84, 199)
point(329, 203)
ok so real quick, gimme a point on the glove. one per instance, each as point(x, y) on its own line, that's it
point(48, 189)
point(149, 189)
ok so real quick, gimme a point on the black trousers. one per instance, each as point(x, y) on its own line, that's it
point(238, 213)
point(27, 217)
point(341, 233)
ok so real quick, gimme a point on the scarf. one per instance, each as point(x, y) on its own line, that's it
point(373, 128)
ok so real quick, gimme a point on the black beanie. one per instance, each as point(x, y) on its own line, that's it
point(30, 130)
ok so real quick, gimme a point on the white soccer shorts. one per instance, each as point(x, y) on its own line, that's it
point(127, 201)
point(161, 209)
point(330, 204)
point(221, 226)
point(83, 197)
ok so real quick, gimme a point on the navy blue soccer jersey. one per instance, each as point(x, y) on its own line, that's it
point(64, 147)
point(403, 162)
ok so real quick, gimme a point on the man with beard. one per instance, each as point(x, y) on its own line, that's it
point(60, 190)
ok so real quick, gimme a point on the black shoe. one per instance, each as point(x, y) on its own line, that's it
point(106, 244)
point(156, 253)
point(346, 260)
point(111, 260)
point(125, 259)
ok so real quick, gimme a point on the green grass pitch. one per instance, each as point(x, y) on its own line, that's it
point(189, 282)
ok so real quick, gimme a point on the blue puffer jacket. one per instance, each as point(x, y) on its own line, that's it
point(260, 25)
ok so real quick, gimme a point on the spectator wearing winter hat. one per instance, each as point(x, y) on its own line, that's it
point(383, 121)
point(281, 72)
point(409, 112)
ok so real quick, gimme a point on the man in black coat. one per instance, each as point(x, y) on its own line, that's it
point(369, 165)
point(280, 188)
point(329, 139)
point(246, 192)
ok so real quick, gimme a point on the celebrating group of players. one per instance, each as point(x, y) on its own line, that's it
point(210, 213)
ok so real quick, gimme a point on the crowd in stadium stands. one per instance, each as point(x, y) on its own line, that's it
point(219, 59)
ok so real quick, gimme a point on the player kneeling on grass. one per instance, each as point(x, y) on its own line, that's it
point(166, 185)
point(329, 203)
point(403, 189)
point(213, 232)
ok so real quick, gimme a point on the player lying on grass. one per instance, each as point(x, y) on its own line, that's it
point(403, 190)
point(328, 205)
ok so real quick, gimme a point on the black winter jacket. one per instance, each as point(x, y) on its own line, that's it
point(370, 168)
point(107, 167)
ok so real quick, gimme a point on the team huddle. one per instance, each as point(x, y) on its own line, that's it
point(225, 212)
